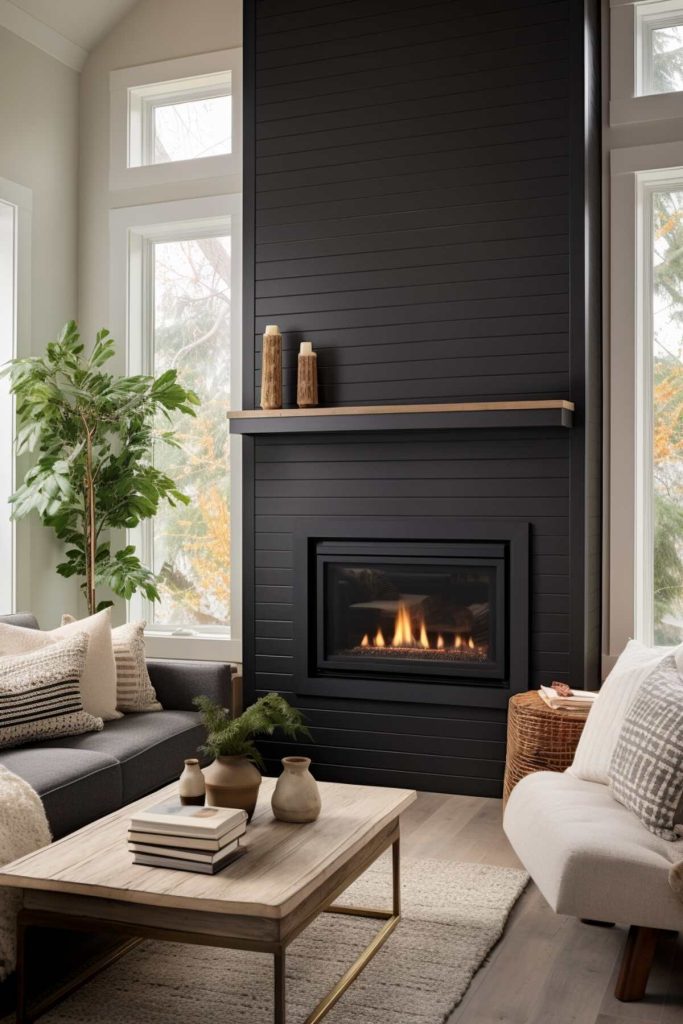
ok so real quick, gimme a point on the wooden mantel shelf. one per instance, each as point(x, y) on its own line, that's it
point(555, 412)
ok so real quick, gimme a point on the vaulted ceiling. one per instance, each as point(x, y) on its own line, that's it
point(83, 23)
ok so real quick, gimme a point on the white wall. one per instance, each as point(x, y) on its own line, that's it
point(154, 30)
point(39, 150)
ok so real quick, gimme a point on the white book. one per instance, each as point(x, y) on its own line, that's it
point(578, 698)
point(174, 818)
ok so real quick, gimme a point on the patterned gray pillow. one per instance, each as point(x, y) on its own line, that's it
point(646, 771)
point(40, 695)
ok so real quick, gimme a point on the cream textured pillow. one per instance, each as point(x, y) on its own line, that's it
point(40, 696)
point(610, 708)
point(98, 681)
point(134, 690)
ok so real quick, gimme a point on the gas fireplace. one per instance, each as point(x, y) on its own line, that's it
point(434, 612)
point(412, 607)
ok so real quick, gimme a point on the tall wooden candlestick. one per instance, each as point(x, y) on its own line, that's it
point(307, 377)
point(271, 368)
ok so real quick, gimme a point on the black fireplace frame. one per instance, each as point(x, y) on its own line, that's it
point(513, 535)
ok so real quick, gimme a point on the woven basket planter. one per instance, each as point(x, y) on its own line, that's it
point(539, 738)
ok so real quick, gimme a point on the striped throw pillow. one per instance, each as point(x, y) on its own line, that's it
point(40, 694)
point(134, 690)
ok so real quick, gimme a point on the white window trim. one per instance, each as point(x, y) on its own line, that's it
point(130, 229)
point(20, 200)
point(627, 18)
point(123, 177)
point(635, 174)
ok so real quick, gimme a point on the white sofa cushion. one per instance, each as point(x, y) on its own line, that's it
point(589, 855)
point(608, 713)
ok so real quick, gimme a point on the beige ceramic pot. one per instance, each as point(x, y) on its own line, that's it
point(232, 782)
point(296, 796)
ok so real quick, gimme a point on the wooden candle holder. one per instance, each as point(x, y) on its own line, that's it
point(307, 377)
point(271, 368)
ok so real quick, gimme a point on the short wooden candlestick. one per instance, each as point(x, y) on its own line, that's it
point(307, 380)
point(271, 371)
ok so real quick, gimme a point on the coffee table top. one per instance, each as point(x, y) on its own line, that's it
point(283, 863)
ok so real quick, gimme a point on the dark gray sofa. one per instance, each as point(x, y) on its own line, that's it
point(81, 778)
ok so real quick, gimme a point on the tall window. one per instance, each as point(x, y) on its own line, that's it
point(176, 272)
point(192, 334)
point(665, 344)
point(8, 216)
point(15, 271)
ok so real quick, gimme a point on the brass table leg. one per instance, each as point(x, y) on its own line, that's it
point(391, 919)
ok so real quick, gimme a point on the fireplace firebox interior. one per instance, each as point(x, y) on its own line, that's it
point(412, 608)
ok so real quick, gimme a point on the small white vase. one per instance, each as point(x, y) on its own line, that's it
point(296, 797)
point(191, 787)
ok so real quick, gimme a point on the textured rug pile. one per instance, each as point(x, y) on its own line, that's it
point(452, 916)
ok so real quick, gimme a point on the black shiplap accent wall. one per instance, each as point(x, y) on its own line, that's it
point(415, 178)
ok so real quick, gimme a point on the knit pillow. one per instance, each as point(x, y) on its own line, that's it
point(646, 771)
point(134, 690)
point(98, 681)
point(40, 695)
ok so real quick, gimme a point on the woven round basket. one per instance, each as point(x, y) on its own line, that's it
point(539, 738)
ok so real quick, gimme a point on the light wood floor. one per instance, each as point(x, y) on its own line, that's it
point(546, 969)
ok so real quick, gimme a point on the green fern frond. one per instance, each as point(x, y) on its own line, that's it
point(232, 737)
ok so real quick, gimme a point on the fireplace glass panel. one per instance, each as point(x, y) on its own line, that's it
point(440, 615)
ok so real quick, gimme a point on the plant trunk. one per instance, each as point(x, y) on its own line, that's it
point(90, 529)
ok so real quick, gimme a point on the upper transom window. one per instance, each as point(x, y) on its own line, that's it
point(186, 119)
point(659, 31)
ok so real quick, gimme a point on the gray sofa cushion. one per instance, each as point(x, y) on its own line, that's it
point(24, 619)
point(177, 683)
point(76, 786)
point(150, 746)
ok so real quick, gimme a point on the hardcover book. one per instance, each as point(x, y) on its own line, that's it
point(174, 818)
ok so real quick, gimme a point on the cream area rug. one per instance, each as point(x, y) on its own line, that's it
point(23, 829)
point(452, 915)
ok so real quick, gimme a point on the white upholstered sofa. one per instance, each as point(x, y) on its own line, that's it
point(592, 858)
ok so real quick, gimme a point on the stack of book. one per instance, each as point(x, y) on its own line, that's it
point(576, 700)
point(186, 838)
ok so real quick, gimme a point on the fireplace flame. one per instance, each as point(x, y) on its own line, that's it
point(412, 633)
point(403, 630)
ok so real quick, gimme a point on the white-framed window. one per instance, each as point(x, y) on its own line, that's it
point(15, 236)
point(659, 47)
point(176, 267)
point(177, 120)
point(646, 60)
point(646, 387)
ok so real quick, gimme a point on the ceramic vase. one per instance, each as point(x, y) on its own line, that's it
point(296, 796)
point(232, 782)
point(191, 787)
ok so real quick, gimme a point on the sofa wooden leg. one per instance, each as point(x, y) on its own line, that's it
point(636, 963)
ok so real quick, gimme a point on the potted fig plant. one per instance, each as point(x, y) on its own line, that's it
point(233, 778)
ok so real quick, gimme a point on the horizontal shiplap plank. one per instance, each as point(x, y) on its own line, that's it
point(532, 219)
point(532, 27)
point(275, 18)
point(451, 107)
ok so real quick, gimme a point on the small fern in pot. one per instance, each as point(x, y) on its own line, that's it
point(233, 778)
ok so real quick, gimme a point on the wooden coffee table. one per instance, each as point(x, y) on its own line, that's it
point(288, 875)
